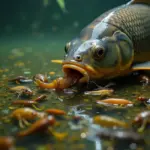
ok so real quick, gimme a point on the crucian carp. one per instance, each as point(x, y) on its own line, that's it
point(115, 44)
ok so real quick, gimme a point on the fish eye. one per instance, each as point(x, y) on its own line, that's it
point(67, 46)
point(98, 52)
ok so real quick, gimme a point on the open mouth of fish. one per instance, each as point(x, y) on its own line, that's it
point(76, 72)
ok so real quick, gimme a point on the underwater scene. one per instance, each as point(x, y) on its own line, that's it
point(68, 83)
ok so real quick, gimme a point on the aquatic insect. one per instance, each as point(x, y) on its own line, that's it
point(59, 84)
point(109, 106)
point(20, 79)
point(40, 125)
point(6, 143)
point(41, 77)
point(24, 114)
point(144, 79)
point(116, 101)
point(142, 119)
point(22, 90)
point(103, 92)
point(53, 111)
point(103, 104)
point(29, 102)
point(115, 44)
point(143, 99)
point(107, 121)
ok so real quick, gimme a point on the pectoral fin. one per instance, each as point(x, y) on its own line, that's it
point(141, 66)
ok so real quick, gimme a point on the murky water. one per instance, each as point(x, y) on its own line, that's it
point(27, 56)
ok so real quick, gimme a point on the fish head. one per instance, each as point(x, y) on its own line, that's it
point(102, 58)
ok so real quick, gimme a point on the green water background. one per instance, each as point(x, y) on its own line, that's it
point(33, 16)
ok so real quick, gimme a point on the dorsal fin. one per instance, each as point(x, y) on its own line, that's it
point(139, 1)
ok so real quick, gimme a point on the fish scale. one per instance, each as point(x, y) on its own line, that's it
point(131, 21)
point(134, 20)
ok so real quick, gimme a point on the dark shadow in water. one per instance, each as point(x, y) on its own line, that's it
point(37, 139)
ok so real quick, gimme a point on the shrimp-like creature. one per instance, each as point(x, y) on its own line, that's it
point(107, 121)
point(142, 119)
point(22, 91)
point(25, 114)
point(40, 125)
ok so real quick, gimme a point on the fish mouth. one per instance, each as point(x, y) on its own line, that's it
point(75, 71)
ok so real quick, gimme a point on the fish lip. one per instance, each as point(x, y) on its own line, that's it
point(66, 66)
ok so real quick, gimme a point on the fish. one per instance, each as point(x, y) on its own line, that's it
point(115, 44)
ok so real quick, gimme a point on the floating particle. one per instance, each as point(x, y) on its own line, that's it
point(19, 64)
point(62, 6)
point(52, 73)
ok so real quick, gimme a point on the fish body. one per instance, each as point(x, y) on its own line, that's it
point(114, 44)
